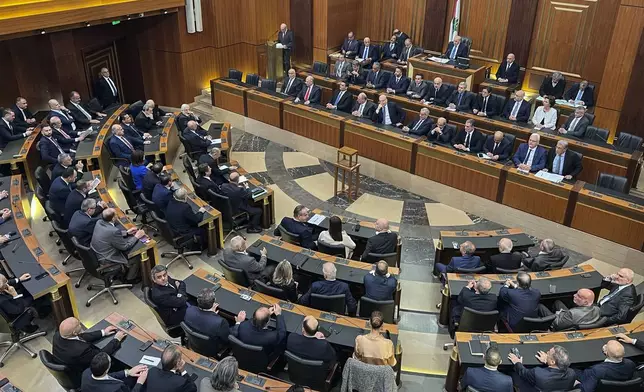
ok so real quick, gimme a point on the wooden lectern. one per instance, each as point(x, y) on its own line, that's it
point(275, 66)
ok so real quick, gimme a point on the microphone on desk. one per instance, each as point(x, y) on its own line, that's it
point(506, 336)
point(592, 332)
point(142, 330)
point(635, 329)
point(276, 388)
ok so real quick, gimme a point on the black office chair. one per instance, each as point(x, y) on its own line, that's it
point(633, 385)
point(174, 331)
point(534, 324)
point(134, 109)
point(42, 178)
point(235, 275)
point(467, 41)
point(62, 373)
point(628, 142)
point(635, 309)
point(42, 198)
point(597, 134)
point(275, 292)
point(18, 338)
point(233, 224)
point(288, 236)
point(189, 152)
point(252, 79)
point(329, 303)
point(269, 84)
point(149, 204)
point(477, 270)
point(107, 273)
point(137, 207)
point(187, 165)
point(499, 270)
point(391, 258)
point(201, 343)
point(601, 322)
point(611, 181)
point(387, 308)
point(387, 75)
point(313, 374)
point(179, 243)
point(251, 358)
point(126, 175)
point(501, 100)
point(333, 250)
point(66, 239)
point(510, 138)
point(475, 321)
point(557, 265)
point(590, 117)
point(320, 68)
point(199, 190)
point(235, 74)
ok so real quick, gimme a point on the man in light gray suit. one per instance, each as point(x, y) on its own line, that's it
point(237, 257)
point(111, 243)
point(342, 68)
point(417, 88)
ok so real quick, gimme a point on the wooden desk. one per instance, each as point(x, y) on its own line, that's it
point(230, 95)
point(265, 107)
point(313, 123)
point(450, 74)
point(265, 201)
point(502, 89)
point(23, 157)
point(486, 243)
point(325, 83)
point(412, 108)
point(165, 142)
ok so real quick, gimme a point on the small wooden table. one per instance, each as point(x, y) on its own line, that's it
point(347, 162)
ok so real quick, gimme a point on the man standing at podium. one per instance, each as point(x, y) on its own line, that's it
point(285, 38)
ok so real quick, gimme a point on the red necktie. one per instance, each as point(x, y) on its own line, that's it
point(63, 133)
point(308, 92)
point(127, 143)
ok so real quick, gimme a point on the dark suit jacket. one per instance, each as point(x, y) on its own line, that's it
point(77, 354)
point(616, 308)
point(369, 109)
point(463, 262)
point(469, 298)
point(589, 377)
point(503, 150)
point(538, 161)
point(506, 260)
point(6, 134)
point(210, 324)
point(14, 307)
point(439, 97)
point(149, 181)
point(571, 164)
point(419, 90)
point(120, 149)
point(79, 117)
point(104, 93)
point(379, 79)
point(424, 128)
point(587, 95)
point(580, 128)
point(197, 142)
point(387, 53)
point(182, 120)
point(523, 114)
point(20, 121)
point(116, 383)
point(216, 174)
point(485, 380)
point(381, 243)
point(346, 103)
point(144, 123)
point(132, 132)
point(396, 114)
point(295, 87)
point(49, 151)
point(286, 39)
point(406, 53)
point(183, 220)
point(461, 51)
point(81, 226)
point(493, 105)
point(72, 204)
point(314, 96)
point(401, 86)
point(66, 118)
point(541, 261)
point(547, 89)
point(359, 79)
point(58, 192)
point(208, 184)
point(246, 262)
point(402, 37)
point(65, 142)
point(466, 101)
point(165, 381)
point(372, 52)
point(161, 197)
point(447, 136)
point(298, 228)
point(352, 46)
point(379, 287)
point(476, 140)
point(511, 74)
point(239, 197)
point(543, 378)
point(171, 302)
point(517, 303)
point(311, 348)
point(331, 287)
point(269, 340)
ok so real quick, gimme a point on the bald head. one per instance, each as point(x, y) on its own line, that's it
point(584, 297)
point(329, 271)
point(382, 224)
point(614, 350)
point(69, 328)
point(498, 136)
point(234, 177)
point(309, 326)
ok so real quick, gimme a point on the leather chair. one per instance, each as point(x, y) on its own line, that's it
point(179, 243)
point(251, 358)
point(42, 178)
point(387, 75)
point(477, 270)
point(508, 271)
point(134, 109)
point(597, 324)
point(629, 142)
point(288, 236)
point(61, 372)
point(42, 198)
point(190, 153)
point(149, 204)
point(611, 181)
point(597, 134)
point(275, 292)
point(138, 208)
point(557, 265)
point(502, 100)
point(18, 338)
point(106, 273)
point(173, 331)
point(252, 79)
point(313, 374)
point(198, 189)
point(329, 303)
point(391, 258)
point(635, 309)
point(233, 224)
point(235, 74)
point(475, 321)
point(201, 343)
point(534, 324)
point(235, 275)
point(126, 175)
point(467, 41)
point(451, 129)
point(66, 239)
point(187, 166)
point(590, 117)
point(269, 84)
point(387, 308)
point(622, 386)
point(333, 250)
point(320, 68)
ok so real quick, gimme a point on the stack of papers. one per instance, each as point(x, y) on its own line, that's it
point(317, 219)
point(556, 178)
point(439, 60)
point(242, 179)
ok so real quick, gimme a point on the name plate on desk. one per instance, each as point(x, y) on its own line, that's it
point(466, 277)
point(212, 278)
point(340, 260)
point(502, 232)
point(576, 270)
point(102, 191)
point(616, 330)
point(505, 277)
point(485, 338)
point(528, 338)
point(636, 206)
point(26, 232)
point(286, 305)
point(124, 220)
point(307, 252)
point(276, 242)
point(126, 325)
point(205, 362)
point(53, 270)
point(574, 335)
point(542, 274)
point(328, 317)
point(255, 380)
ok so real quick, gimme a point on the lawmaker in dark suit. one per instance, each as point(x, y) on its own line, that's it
point(580, 93)
point(355, 75)
point(556, 376)
point(83, 114)
point(420, 126)
point(76, 349)
point(401, 37)
point(563, 162)
point(398, 83)
point(98, 378)
point(379, 285)
point(205, 181)
point(135, 135)
point(487, 378)
point(82, 223)
point(75, 201)
point(469, 139)
point(205, 320)
point(169, 295)
point(185, 116)
point(68, 122)
point(292, 85)
point(66, 138)
point(461, 100)
point(197, 140)
point(105, 89)
point(64, 161)
point(184, 222)
point(486, 104)
point(363, 108)
point(441, 132)
point(437, 93)
point(497, 147)
point(476, 295)
point(621, 297)
point(286, 38)
point(383, 242)
point(350, 46)
point(367, 52)
point(237, 257)
point(342, 100)
point(24, 118)
point(254, 331)
point(388, 113)
point(547, 256)
point(418, 88)
point(553, 86)
point(330, 286)
point(7, 129)
point(466, 260)
point(145, 119)
point(391, 50)
point(614, 368)
point(407, 52)
point(505, 259)
point(518, 300)
point(50, 150)
point(517, 109)
point(311, 344)
point(530, 156)
point(162, 193)
point(60, 189)
point(14, 301)
point(212, 159)
point(310, 93)
point(456, 49)
point(172, 376)
point(240, 198)
point(150, 179)
point(120, 146)
point(297, 226)
point(376, 78)
point(508, 71)
point(576, 124)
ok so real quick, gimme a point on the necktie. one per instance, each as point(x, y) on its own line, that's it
point(515, 109)
point(24, 116)
point(9, 125)
point(361, 109)
point(557, 164)
point(485, 105)
point(467, 139)
point(366, 51)
point(527, 157)
point(573, 124)
point(385, 114)
point(127, 143)
point(290, 83)
point(495, 146)
point(391, 46)
point(375, 78)
point(134, 129)
point(56, 144)
point(339, 73)
point(89, 117)
point(112, 86)
point(397, 80)
point(408, 53)
point(460, 96)
point(337, 99)
point(308, 92)
point(580, 93)
point(418, 124)
point(453, 54)
point(508, 67)
point(65, 135)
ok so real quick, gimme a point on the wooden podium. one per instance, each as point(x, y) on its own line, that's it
point(275, 57)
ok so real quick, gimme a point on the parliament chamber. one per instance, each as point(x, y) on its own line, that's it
point(326, 195)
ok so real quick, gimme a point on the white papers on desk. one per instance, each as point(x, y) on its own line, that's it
point(556, 178)
point(359, 59)
point(223, 167)
point(243, 179)
point(215, 141)
point(439, 60)
point(150, 361)
point(450, 109)
point(317, 219)
point(279, 46)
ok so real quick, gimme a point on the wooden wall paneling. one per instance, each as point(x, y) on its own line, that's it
point(10, 89)
point(159, 33)
point(131, 72)
point(302, 25)
point(632, 116)
point(197, 67)
point(66, 62)
point(519, 31)
point(376, 20)
point(599, 37)
point(485, 22)
point(165, 67)
point(434, 24)
point(342, 16)
point(269, 15)
point(320, 24)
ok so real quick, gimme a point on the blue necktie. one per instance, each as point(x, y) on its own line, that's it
point(366, 51)
point(453, 54)
point(337, 99)
point(557, 165)
point(460, 95)
point(580, 93)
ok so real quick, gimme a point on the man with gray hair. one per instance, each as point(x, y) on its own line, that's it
point(547, 256)
point(185, 116)
point(363, 107)
point(576, 124)
point(172, 377)
point(530, 156)
point(563, 162)
point(330, 286)
point(621, 296)
point(64, 161)
point(553, 86)
point(505, 259)
point(184, 221)
point(83, 222)
point(420, 126)
point(383, 242)
point(476, 295)
point(146, 120)
point(169, 295)
point(487, 378)
point(518, 300)
point(376, 79)
point(223, 378)
point(461, 99)
point(197, 139)
point(211, 158)
point(75, 199)
point(467, 259)
point(237, 257)
point(120, 146)
point(556, 376)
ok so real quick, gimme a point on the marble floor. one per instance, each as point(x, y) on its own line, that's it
point(299, 172)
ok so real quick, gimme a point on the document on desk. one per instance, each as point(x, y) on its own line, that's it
point(556, 178)
point(215, 141)
point(242, 179)
point(148, 360)
point(439, 60)
point(317, 219)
